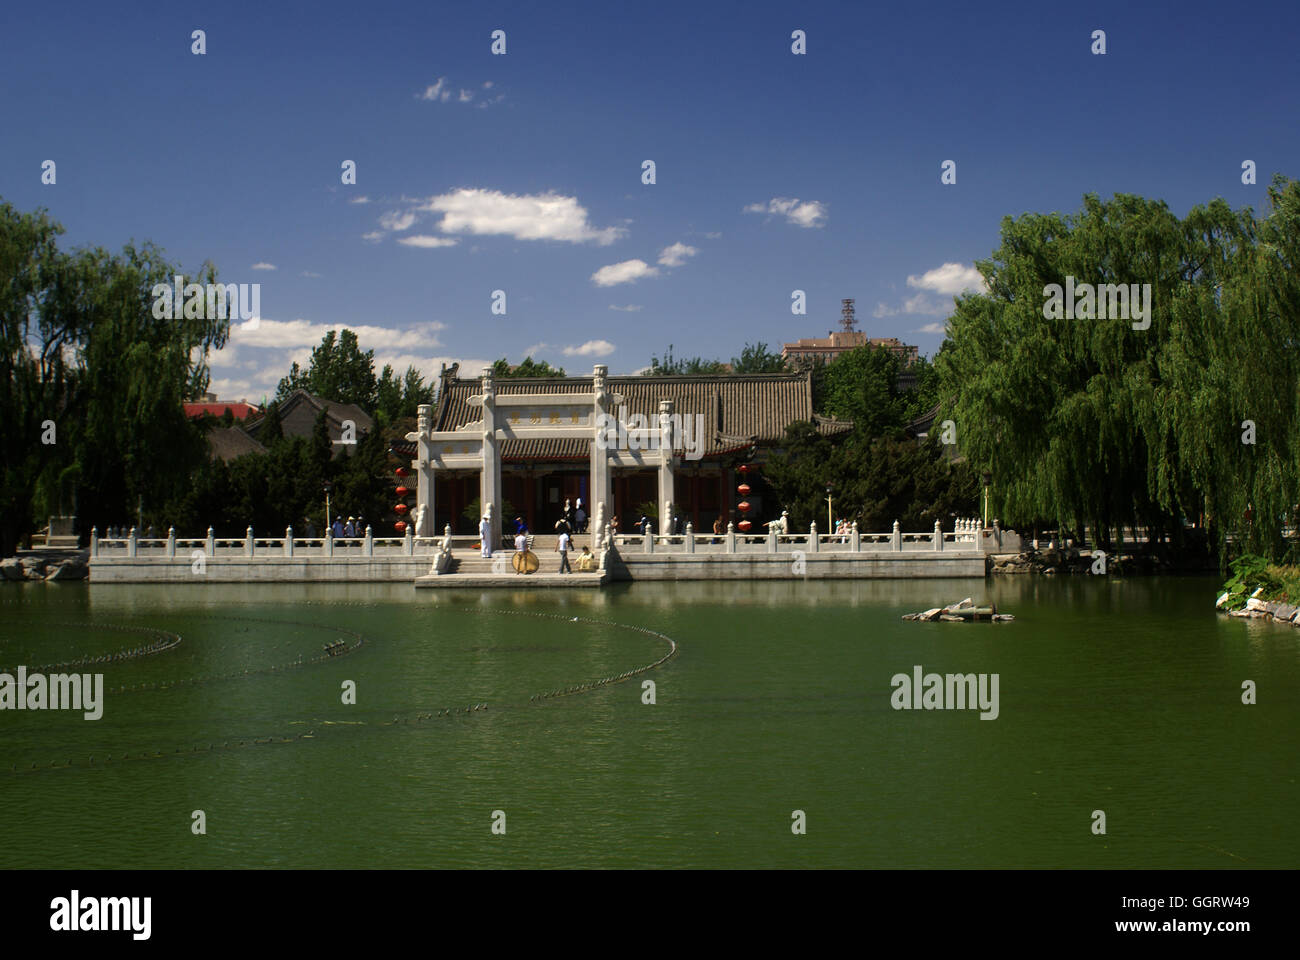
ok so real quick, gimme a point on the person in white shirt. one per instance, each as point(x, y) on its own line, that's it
point(562, 544)
point(485, 535)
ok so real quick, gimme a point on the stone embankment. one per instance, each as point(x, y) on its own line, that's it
point(1257, 609)
point(38, 566)
point(1074, 560)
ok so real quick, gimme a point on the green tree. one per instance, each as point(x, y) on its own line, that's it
point(669, 366)
point(338, 370)
point(81, 352)
point(1091, 421)
point(529, 368)
point(862, 386)
point(756, 358)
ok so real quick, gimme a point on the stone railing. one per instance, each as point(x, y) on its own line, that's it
point(967, 536)
point(133, 547)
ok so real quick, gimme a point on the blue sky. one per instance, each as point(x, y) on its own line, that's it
point(479, 172)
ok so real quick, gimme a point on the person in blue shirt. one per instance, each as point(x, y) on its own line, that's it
point(337, 529)
point(520, 526)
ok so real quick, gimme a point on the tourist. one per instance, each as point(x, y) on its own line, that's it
point(719, 528)
point(562, 545)
point(521, 548)
point(587, 561)
point(338, 528)
point(520, 526)
point(349, 528)
point(361, 527)
point(309, 528)
point(613, 524)
point(580, 518)
point(562, 526)
point(568, 512)
point(485, 535)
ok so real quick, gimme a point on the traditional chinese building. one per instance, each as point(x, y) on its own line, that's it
point(527, 445)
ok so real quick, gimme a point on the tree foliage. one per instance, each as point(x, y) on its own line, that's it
point(529, 368)
point(1090, 421)
point(338, 370)
point(81, 350)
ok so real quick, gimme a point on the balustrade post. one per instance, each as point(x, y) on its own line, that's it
point(897, 540)
point(132, 543)
point(171, 542)
point(731, 537)
point(288, 541)
point(690, 537)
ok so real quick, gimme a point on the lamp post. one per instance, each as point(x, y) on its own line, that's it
point(328, 487)
point(829, 522)
point(988, 480)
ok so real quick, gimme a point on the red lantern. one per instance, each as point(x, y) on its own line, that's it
point(401, 508)
point(743, 468)
point(400, 526)
point(743, 506)
point(402, 472)
point(744, 526)
point(403, 491)
point(743, 489)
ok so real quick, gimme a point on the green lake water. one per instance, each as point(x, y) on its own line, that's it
point(1114, 695)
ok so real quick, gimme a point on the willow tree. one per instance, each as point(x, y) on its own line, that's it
point(91, 383)
point(1105, 417)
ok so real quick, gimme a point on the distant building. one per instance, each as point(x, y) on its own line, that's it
point(845, 339)
point(842, 341)
point(230, 443)
point(298, 413)
point(210, 405)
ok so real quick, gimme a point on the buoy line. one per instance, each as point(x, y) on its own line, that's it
point(428, 714)
point(165, 640)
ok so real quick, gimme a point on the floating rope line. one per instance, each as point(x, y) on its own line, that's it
point(331, 652)
point(165, 641)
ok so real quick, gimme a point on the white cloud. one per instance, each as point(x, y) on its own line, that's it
point(362, 199)
point(374, 236)
point(630, 308)
point(675, 255)
point(487, 84)
point(940, 328)
point(424, 240)
point(628, 271)
point(547, 216)
point(465, 96)
point(951, 278)
point(397, 220)
point(713, 236)
point(437, 91)
point(536, 348)
point(805, 213)
point(308, 273)
point(263, 265)
point(260, 332)
point(592, 348)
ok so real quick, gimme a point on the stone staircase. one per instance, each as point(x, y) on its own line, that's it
point(468, 569)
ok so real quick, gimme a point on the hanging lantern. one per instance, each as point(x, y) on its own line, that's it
point(401, 508)
point(743, 506)
point(402, 472)
point(743, 489)
point(743, 468)
point(400, 526)
point(744, 526)
point(403, 491)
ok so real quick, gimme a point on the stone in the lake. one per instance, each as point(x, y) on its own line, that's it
point(950, 618)
point(1003, 617)
point(11, 568)
point(1218, 604)
point(1258, 591)
point(1255, 604)
point(911, 616)
point(932, 614)
point(1284, 611)
point(968, 602)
